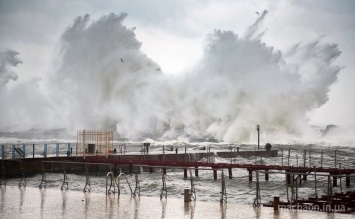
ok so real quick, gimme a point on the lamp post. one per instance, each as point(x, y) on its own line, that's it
point(258, 129)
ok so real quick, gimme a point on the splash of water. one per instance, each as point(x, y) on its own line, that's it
point(102, 80)
point(8, 59)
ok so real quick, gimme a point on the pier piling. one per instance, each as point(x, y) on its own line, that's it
point(276, 203)
point(347, 180)
point(250, 175)
point(130, 168)
point(288, 178)
point(266, 175)
point(335, 182)
point(215, 174)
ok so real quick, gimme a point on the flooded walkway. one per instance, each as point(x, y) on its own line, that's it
point(32, 202)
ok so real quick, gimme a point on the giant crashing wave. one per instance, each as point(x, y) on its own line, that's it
point(102, 80)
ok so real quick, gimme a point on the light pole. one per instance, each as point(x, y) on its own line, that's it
point(258, 129)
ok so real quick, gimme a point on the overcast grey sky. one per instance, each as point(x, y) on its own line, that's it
point(173, 34)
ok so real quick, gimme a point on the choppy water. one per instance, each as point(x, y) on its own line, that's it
point(239, 190)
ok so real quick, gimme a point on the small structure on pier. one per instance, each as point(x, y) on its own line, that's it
point(94, 142)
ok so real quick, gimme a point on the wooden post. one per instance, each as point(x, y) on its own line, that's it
point(288, 178)
point(347, 179)
point(215, 174)
point(230, 173)
point(151, 170)
point(276, 203)
point(196, 170)
point(315, 181)
point(187, 195)
point(115, 170)
point(335, 183)
point(250, 175)
point(266, 175)
point(130, 168)
point(282, 156)
point(164, 171)
point(304, 158)
point(24, 151)
point(185, 173)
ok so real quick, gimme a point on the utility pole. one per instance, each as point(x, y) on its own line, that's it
point(258, 129)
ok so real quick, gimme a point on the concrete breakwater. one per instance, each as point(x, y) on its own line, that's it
point(11, 168)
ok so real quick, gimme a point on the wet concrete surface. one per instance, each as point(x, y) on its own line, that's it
point(33, 202)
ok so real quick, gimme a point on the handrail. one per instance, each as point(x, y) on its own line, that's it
point(137, 189)
point(43, 183)
point(65, 180)
point(23, 178)
point(112, 177)
point(87, 187)
point(193, 191)
point(163, 189)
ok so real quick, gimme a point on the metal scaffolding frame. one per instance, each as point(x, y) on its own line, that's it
point(94, 142)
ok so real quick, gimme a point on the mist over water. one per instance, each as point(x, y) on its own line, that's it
point(101, 79)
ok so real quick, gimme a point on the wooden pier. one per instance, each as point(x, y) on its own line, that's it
point(121, 164)
point(166, 164)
